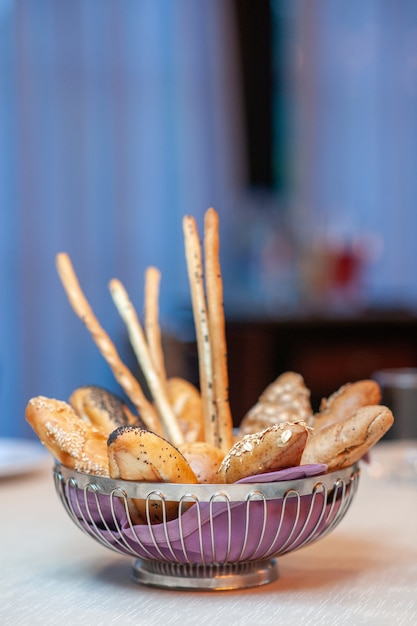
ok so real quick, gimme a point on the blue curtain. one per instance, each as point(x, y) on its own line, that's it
point(355, 140)
point(116, 119)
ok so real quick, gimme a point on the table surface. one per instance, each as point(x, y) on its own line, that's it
point(364, 572)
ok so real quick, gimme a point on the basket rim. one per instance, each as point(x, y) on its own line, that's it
point(207, 492)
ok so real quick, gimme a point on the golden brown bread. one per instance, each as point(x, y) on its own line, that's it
point(124, 305)
point(141, 455)
point(71, 440)
point(138, 454)
point(217, 330)
point(204, 459)
point(276, 447)
point(272, 435)
point(342, 443)
point(152, 326)
point(187, 405)
point(287, 399)
point(195, 270)
point(346, 400)
point(121, 372)
point(103, 409)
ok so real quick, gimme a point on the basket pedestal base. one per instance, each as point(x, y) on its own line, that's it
point(200, 577)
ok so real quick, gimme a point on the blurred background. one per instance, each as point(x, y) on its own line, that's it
point(296, 120)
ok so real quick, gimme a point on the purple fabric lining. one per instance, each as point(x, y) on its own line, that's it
point(215, 532)
point(291, 473)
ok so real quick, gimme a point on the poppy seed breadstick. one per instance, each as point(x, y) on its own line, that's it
point(137, 339)
point(195, 275)
point(107, 348)
point(216, 323)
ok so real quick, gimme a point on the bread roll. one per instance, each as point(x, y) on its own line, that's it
point(278, 447)
point(140, 455)
point(342, 443)
point(345, 401)
point(71, 440)
point(187, 405)
point(204, 459)
point(287, 399)
point(103, 409)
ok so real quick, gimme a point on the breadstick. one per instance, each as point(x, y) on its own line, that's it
point(195, 276)
point(107, 348)
point(137, 338)
point(217, 328)
point(151, 321)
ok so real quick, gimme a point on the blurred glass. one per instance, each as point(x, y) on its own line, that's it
point(399, 393)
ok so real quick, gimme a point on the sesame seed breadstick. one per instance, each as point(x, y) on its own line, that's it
point(151, 321)
point(216, 322)
point(107, 348)
point(195, 276)
point(137, 339)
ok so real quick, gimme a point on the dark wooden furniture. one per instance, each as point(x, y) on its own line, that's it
point(328, 352)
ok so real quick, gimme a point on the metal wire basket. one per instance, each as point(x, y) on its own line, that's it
point(221, 536)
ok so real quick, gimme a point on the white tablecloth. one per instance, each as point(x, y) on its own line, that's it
point(364, 572)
